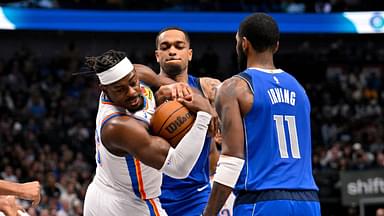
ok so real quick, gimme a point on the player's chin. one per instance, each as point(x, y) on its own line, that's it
point(133, 109)
point(173, 68)
point(135, 105)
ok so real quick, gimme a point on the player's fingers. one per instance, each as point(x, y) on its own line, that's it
point(36, 201)
point(188, 97)
point(180, 92)
point(187, 91)
point(181, 99)
point(185, 100)
point(174, 93)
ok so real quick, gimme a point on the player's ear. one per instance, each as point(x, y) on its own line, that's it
point(157, 56)
point(277, 47)
point(190, 52)
point(245, 44)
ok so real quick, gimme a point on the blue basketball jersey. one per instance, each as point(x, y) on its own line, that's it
point(277, 148)
point(183, 196)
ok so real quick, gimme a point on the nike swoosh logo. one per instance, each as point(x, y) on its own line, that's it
point(202, 188)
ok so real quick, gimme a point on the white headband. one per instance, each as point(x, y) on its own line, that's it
point(115, 73)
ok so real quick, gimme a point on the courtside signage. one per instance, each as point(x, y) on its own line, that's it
point(356, 185)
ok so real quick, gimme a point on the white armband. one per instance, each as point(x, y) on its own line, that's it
point(182, 159)
point(228, 170)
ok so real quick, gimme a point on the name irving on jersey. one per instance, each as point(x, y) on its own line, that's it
point(281, 95)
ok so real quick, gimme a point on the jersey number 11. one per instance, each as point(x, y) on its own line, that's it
point(292, 132)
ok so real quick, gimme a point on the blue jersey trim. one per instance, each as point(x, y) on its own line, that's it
point(246, 154)
point(247, 78)
point(195, 82)
point(150, 208)
point(132, 173)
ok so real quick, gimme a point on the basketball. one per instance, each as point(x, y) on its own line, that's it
point(171, 121)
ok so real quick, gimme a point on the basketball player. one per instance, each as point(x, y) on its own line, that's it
point(130, 160)
point(186, 196)
point(265, 115)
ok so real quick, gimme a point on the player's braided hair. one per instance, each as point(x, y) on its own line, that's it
point(101, 63)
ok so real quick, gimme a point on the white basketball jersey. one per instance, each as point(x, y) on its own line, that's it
point(127, 176)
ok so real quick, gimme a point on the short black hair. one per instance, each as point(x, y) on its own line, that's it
point(105, 61)
point(261, 30)
point(172, 28)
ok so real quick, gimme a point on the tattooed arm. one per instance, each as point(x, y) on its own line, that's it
point(233, 101)
point(209, 86)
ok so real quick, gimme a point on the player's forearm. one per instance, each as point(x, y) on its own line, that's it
point(147, 75)
point(181, 160)
point(9, 188)
point(213, 158)
point(217, 199)
point(150, 77)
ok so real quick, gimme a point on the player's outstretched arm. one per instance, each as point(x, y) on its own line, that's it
point(228, 106)
point(148, 76)
point(172, 91)
point(128, 135)
point(27, 191)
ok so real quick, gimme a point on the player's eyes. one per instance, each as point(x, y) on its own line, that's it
point(132, 84)
point(180, 45)
point(164, 47)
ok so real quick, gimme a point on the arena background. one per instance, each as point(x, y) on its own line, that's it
point(47, 115)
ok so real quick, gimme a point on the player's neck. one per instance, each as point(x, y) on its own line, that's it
point(182, 77)
point(262, 60)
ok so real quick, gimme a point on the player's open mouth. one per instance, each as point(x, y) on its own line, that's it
point(134, 102)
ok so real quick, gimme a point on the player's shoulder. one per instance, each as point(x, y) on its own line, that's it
point(209, 86)
point(234, 84)
point(121, 125)
point(209, 81)
point(123, 130)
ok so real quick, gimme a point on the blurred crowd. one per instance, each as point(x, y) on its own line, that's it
point(46, 129)
point(285, 6)
point(47, 118)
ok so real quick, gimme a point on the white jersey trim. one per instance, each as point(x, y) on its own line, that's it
point(271, 71)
